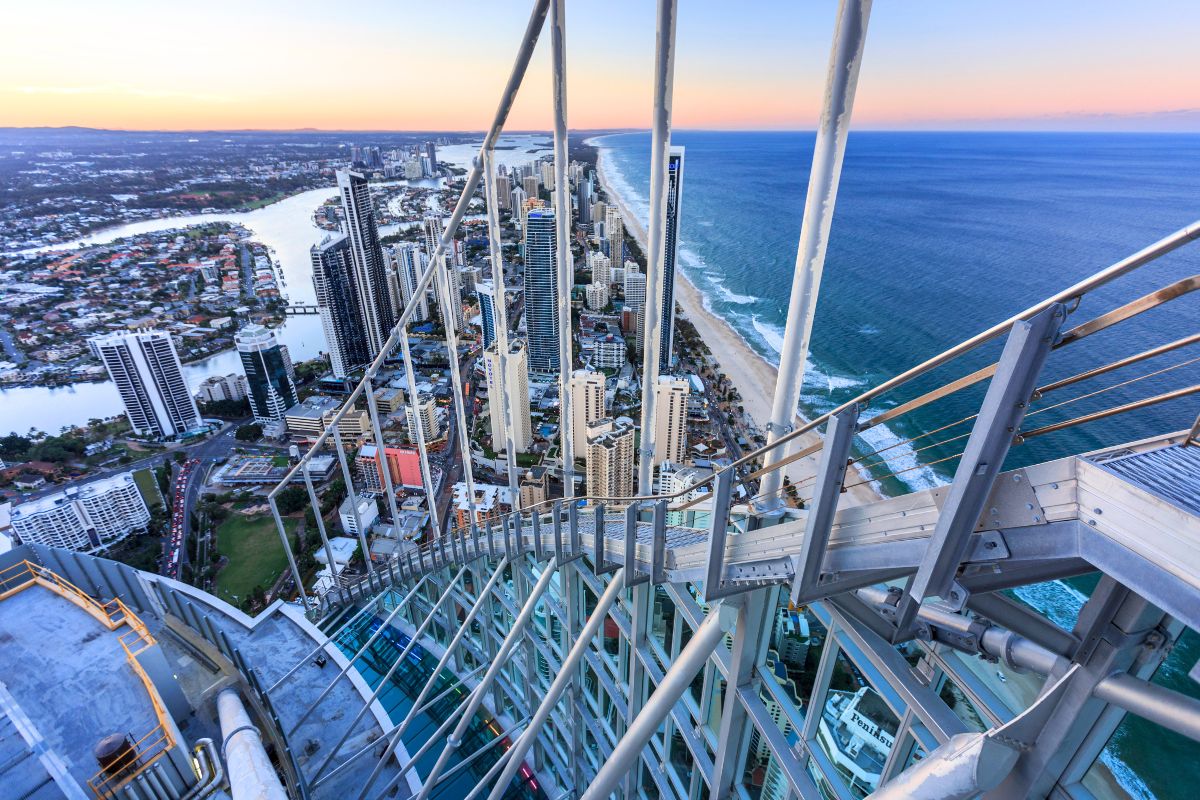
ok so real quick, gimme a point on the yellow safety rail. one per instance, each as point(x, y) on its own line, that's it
point(112, 615)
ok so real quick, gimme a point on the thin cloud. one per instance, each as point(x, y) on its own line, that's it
point(126, 90)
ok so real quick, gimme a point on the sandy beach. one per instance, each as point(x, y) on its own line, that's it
point(752, 374)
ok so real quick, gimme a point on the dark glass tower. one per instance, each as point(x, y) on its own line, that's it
point(370, 271)
point(270, 378)
point(340, 308)
point(671, 249)
point(541, 292)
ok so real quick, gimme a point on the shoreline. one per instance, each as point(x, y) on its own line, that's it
point(752, 375)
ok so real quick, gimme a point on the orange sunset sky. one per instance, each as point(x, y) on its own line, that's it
point(404, 65)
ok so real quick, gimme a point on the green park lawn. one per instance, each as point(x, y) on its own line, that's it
point(144, 478)
point(255, 555)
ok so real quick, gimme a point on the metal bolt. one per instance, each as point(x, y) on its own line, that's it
point(1016, 478)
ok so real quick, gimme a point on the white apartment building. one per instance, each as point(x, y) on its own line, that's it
point(85, 518)
point(587, 406)
point(610, 457)
point(596, 296)
point(635, 289)
point(670, 419)
point(368, 512)
point(222, 387)
point(601, 266)
point(516, 381)
point(146, 370)
point(423, 412)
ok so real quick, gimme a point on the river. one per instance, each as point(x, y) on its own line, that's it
point(287, 228)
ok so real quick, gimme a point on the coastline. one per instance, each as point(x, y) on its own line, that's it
point(752, 375)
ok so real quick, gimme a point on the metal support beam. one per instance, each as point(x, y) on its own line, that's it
point(831, 474)
point(516, 633)
point(562, 223)
point(660, 147)
point(340, 447)
point(394, 736)
point(287, 549)
point(841, 82)
point(1000, 416)
point(566, 676)
point(627, 754)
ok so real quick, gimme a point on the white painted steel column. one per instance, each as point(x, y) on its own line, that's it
point(516, 633)
point(845, 61)
point(353, 495)
point(626, 755)
point(499, 319)
point(316, 507)
point(395, 734)
point(287, 548)
point(422, 452)
point(251, 775)
point(660, 147)
point(460, 410)
point(566, 675)
point(562, 221)
point(381, 448)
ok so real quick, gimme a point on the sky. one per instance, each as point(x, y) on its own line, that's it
point(753, 64)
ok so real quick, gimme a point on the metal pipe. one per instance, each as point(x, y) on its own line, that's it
point(566, 675)
point(471, 759)
point(418, 436)
point(566, 266)
point(251, 776)
point(398, 731)
point(316, 508)
point(212, 774)
point(464, 438)
point(660, 147)
point(629, 749)
point(500, 317)
point(287, 549)
point(1172, 710)
point(381, 448)
point(350, 664)
point(841, 82)
point(353, 495)
point(1118, 364)
point(515, 633)
point(385, 681)
point(1109, 412)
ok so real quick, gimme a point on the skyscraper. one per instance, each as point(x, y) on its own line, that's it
point(541, 292)
point(614, 233)
point(487, 311)
point(671, 250)
point(406, 261)
point(635, 290)
point(433, 235)
point(516, 381)
point(375, 305)
point(517, 198)
point(339, 304)
point(583, 198)
point(530, 185)
point(587, 406)
point(269, 374)
point(146, 370)
point(610, 457)
point(421, 411)
point(601, 267)
point(670, 419)
point(503, 192)
point(431, 154)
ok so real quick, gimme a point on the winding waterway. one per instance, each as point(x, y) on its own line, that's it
point(287, 228)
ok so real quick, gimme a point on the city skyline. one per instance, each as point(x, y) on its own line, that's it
point(934, 66)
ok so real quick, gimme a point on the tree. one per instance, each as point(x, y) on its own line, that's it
point(249, 433)
point(180, 456)
point(291, 500)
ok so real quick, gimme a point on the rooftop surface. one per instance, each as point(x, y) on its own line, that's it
point(53, 658)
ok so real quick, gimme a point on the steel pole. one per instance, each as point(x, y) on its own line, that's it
point(516, 633)
point(287, 549)
point(396, 733)
point(385, 681)
point(566, 674)
point(500, 319)
point(664, 84)
point(626, 754)
point(845, 61)
point(419, 437)
point(316, 507)
point(562, 221)
point(353, 495)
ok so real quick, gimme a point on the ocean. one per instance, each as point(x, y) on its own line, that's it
point(937, 236)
